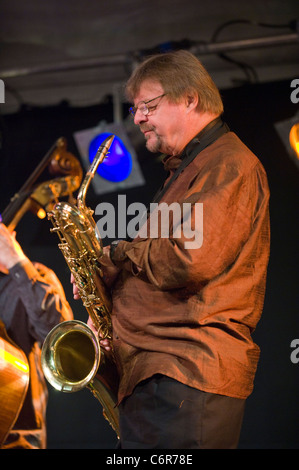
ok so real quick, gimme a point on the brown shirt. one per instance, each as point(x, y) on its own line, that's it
point(189, 313)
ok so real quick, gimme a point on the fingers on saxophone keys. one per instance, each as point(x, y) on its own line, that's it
point(105, 343)
point(76, 292)
point(75, 288)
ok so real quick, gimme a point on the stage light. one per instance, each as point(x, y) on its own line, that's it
point(294, 138)
point(120, 170)
point(41, 213)
point(288, 131)
point(117, 166)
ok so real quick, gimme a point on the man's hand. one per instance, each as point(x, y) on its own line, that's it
point(105, 343)
point(110, 271)
point(11, 252)
point(75, 288)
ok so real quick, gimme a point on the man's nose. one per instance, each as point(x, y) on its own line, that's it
point(139, 117)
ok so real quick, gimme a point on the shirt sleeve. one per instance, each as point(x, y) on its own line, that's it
point(41, 297)
point(228, 202)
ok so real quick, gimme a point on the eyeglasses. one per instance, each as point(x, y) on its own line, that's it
point(143, 106)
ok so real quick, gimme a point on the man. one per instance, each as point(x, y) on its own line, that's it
point(32, 302)
point(183, 314)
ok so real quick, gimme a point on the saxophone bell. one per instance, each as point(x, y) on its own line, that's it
point(72, 359)
point(70, 356)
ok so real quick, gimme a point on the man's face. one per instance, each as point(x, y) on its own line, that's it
point(163, 125)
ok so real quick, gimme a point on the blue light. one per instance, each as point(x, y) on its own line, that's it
point(117, 166)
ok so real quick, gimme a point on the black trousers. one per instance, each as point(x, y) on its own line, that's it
point(165, 414)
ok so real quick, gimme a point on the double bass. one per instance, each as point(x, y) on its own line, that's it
point(38, 197)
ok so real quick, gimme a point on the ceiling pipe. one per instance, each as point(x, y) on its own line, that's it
point(131, 59)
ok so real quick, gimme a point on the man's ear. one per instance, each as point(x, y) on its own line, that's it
point(191, 100)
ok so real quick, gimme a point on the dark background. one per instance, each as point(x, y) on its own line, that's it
point(272, 417)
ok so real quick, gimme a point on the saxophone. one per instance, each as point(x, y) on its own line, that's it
point(71, 354)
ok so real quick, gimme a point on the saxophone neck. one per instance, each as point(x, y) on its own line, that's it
point(98, 159)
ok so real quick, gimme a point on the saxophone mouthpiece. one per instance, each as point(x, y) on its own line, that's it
point(98, 159)
point(101, 154)
point(105, 146)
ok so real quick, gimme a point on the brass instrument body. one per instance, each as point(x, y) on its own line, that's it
point(71, 354)
point(81, 248)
